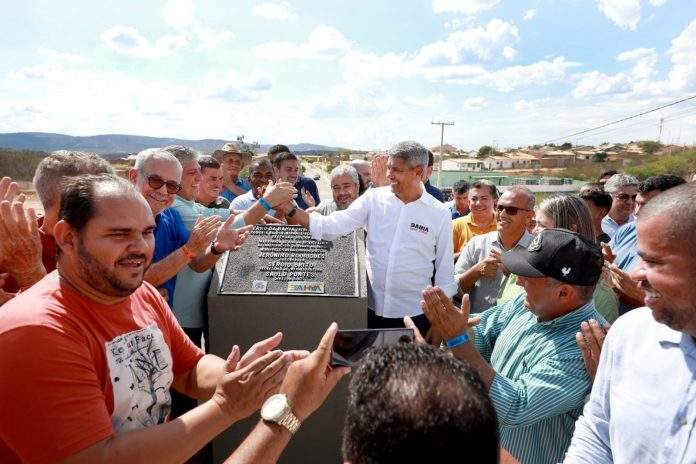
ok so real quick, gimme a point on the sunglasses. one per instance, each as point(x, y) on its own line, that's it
point(511, 210)
point(156, 182)
point(626, 197)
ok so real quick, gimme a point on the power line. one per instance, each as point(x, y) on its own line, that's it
point(621, 120)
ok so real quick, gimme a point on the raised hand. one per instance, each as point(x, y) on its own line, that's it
point(308, 198)
point(282, 192)
point(378, 170)
point(448, 320)
point(229, 238)
point(609, 255)
point(310, 380)
point(202, 234)
point(590, 340)
point(20, 245)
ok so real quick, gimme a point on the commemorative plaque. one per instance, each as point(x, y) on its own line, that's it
point(279, 259)
point(282, 280)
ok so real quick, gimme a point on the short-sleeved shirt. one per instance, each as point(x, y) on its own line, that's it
point(48, 256)
point(309, 185)
point(484, 293)
point(540, 382)
point(434, 191)
point(464, 228)
point(75, 372)
point(454, 211)
point(241, 183)
point(327, 207)
point(170, 235)
point(624, 245)
point(246, 201)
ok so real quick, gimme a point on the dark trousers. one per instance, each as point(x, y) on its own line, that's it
point(378, 322)
point(182, 403)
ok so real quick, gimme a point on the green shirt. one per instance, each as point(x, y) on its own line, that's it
point(540, 383)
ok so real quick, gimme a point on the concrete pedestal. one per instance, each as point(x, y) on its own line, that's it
point(244, 319)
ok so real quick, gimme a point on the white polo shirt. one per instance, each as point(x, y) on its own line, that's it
point(406, 244)
point(246, 201)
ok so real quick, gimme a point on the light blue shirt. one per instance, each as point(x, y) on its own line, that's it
point(191, 286)
point(624, 245)
point(540, 382)
point(609, 226)
point(643, 403)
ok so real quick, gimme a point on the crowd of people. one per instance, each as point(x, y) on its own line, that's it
point(557, 332)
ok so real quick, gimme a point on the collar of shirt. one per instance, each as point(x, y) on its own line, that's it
point(523, 242)
point(575, 317)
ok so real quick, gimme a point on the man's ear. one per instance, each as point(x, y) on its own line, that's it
point(420, 170)
point(133, 175)
point(65, 235)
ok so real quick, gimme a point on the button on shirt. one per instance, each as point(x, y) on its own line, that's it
point(643, 403)
point(484, 293)
point(609, 226)
point(405, 243)
point(540, 383)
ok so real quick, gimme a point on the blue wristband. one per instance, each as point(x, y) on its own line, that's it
point(458, 340)
point(264, 203)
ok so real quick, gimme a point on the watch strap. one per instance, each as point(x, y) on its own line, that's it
point(213, 250)
point(290, 422)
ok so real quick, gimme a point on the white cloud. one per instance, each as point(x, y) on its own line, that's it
point(127, 40)
point(324, 42)
point(625, 13)
point(61, 56)
point(467, 7)
point(180, 16)
point(275, 11)
point(475, 103)
point(509, 53)
point(39, 71)
point(430, 101)
point(683, 55)
point(529, 15)
point(346, 101)
point(645, 60)
point(540, 73)
point(234, 88)
point(480, 42)
point(597, 83)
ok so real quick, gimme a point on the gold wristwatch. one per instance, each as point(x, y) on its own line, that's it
point(277, 409)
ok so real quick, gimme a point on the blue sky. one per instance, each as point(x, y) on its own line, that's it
point(361, 74)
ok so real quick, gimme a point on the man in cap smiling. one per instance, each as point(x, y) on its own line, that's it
point(525, 350)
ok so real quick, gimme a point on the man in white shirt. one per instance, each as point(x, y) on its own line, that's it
point(409, 238)
point(260, 175)
point(643, 403)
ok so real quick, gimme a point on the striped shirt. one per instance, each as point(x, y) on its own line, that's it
point(540, 383)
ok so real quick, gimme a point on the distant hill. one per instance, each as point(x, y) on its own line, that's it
point(120, 143)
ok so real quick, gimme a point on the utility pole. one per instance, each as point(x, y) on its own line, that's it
point(442, 138)
point(659, 134)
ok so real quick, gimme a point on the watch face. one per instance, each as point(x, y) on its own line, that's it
point(274, 407)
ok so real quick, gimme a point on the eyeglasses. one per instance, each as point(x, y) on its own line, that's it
point(156, 182)
point(511, 210)
point(626, 197)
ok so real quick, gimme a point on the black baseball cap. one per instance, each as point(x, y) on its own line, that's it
point(559, 254)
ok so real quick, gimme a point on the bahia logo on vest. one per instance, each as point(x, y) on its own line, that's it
point(419, 228)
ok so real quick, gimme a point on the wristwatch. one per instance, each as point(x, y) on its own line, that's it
point(277, 409)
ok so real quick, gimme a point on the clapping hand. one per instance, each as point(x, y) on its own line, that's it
point(378, 168)
point(590, 340)
point(308, 198)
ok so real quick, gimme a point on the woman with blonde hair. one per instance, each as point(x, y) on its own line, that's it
point(569, 212)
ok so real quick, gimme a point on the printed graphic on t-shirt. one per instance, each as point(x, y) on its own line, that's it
point(140, 369)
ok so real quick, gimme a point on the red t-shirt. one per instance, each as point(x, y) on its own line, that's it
point(48, 256)
point(74, 372)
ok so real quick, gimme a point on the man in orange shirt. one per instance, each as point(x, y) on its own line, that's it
point(482, 196)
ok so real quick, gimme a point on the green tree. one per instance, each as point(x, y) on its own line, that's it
point(566, 146)
point(599, 157)
point(649, 147)
point(486, 150)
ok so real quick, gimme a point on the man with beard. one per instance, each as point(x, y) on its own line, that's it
point(642, 407)
point(88, 355)
point(409, 238)
point(345, 184)
point(260, 177)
